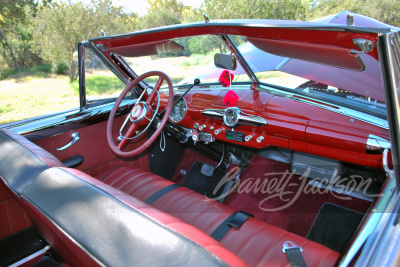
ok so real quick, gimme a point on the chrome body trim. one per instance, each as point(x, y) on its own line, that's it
point(370, 223)
point(243, 118)
point(375, 143)
point(213, 112)
point(69, 117)
point(31, 257)
point(283, 63)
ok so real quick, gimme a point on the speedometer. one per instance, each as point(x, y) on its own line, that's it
point(178, 111)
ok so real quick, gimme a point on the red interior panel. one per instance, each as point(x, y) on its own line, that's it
point(327, 37)
point(12, 217)
point(314, 130)
point(324, 54)
point(93, 147)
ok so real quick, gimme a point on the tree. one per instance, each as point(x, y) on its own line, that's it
point(162, 13)
point(256, 9)
point(14, 34)
point(386, 11)
point(72, 22)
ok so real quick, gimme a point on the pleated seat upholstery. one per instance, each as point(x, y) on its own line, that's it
point(256, 242)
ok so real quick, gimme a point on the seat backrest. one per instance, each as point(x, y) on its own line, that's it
point(21, 161)
point(90, 223)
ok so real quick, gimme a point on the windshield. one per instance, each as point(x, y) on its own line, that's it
point(360, 89)
point(194, 60)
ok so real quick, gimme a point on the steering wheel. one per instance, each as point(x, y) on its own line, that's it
point(141, 115)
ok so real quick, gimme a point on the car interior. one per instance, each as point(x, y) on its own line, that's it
point(199, 173)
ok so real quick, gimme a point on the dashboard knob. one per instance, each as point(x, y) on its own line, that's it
point(200, 128)
point(248, 138)
point(195, 136)
point(195, 126)
point(204, 126)
point(260, 139)
point(211, 127)
point(218, 131)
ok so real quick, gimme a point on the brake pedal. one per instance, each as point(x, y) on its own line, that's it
point(207, 170)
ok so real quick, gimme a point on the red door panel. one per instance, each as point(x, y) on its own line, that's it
point(94, 148)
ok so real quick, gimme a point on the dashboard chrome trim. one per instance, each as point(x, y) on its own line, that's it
point(242, 118)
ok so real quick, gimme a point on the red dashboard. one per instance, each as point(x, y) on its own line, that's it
point(290, 124)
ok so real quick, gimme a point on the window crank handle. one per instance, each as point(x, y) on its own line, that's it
point(75, 137)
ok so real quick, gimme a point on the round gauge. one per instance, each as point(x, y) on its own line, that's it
point(178, 111)
point(231, 117)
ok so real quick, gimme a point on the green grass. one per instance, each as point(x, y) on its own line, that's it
point(38, 91)
point(100, 85)
point(39, 71)
point(33, 96)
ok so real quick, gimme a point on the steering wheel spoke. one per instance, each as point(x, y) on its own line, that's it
point(129, 133)
point(151, 98)
point(141, 115)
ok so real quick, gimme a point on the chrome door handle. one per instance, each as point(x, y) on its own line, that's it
point(74, 138)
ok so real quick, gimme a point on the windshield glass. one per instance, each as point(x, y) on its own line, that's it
point(360, 89)
point(195, 60)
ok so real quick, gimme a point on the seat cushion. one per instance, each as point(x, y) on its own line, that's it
point(90, 223)
point(256, 242)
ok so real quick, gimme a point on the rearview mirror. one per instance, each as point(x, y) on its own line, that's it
point(225, 61)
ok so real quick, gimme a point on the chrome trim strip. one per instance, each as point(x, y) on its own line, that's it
point(351, 113)
point(375, 143)
point(242, 117)
point(252, 119)
point(31, 257)
point(69, 117)
point(385, 162)
point(370, 223)
point(213, 112)
point(283, 63)
point(107, 63)
point(382, 247)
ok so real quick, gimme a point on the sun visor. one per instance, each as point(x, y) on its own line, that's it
point(147, 49)
point(317, 53)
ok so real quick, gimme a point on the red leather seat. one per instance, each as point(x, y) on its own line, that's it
point(92, 224)
point(256, 242)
